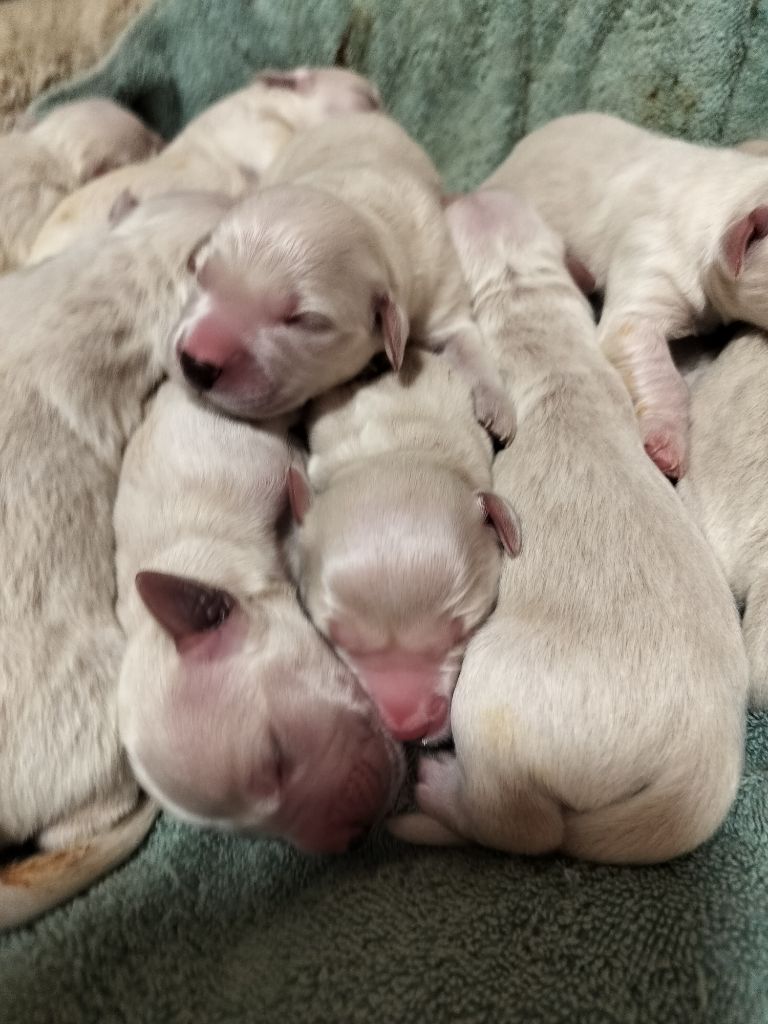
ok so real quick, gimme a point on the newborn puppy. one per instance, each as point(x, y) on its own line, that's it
point(74, 143)
point(233, 710)
point(395, 561)
point(726, 489)
point(345, 257)
point(226, 148)
point(600, 710)
point(83, 342)
point(674, 234)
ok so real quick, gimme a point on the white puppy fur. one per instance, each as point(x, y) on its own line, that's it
point(600, 710)
point(39, 167)
point(232, 708)
point(84, 341)
point(226, 148)
point(673, 232)
point(396, 564)
point(726, 488)
point(344, 256)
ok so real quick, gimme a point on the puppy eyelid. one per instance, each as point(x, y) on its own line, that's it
point(309, 321)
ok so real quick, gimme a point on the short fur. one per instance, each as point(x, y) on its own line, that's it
point(345, 255)
point(226, 148)
point(394, 559)
point(726, 489)
point(252, 722)
point(600, 710)
point(84, 341)
point(39, 167)
point(673, 232)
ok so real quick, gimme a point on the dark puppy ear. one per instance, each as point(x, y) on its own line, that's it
point(184, 608)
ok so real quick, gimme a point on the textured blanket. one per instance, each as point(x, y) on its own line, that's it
point(201, 927)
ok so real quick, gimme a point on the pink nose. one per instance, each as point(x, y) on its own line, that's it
point(407, 722)
point(212, 342)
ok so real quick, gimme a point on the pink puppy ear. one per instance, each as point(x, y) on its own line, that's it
point(299, 494)
point(184, 608)
point(504, 520)
point(394, 327)
point(581, 277)
point(742, 235)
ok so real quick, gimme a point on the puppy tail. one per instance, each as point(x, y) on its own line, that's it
point(423, 831)
point(32, 886)
point(664, 820)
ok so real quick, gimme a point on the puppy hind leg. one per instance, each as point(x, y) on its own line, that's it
point(755, 631)
point(94, 818)
point(639, 349)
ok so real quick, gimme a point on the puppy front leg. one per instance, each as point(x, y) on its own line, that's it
point(755, 629)
point(638, 347)
point(439, 821)
point(463, 345)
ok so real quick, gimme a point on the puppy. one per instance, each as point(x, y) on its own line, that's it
point(39, 167)
point(344, 257)
point(726, 488)
point(233, 710)
point(756, 147)
point(395, 562)
point(84, 341)
point(226, 148)
point(600, 710)
point(674, 234)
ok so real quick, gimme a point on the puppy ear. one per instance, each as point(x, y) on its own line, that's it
point(296, 80)
point(394, 327)
point(582, 278)
point(741, 236)
point(299, 494)
point(503, 518)
point(187, 610)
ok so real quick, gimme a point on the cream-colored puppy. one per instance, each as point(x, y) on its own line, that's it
point(39, 167)
point(600, 710)
point(726, 488)
point(673, 232)
point(233, 709)
point(84, 341)
point(395, 562)
point(345, 256)
point(225, 149)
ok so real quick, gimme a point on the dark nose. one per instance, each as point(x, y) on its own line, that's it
point(199, 375)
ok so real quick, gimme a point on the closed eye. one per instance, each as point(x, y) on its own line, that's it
point(309, 321)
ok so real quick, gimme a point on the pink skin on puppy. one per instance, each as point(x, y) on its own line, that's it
point(252, 733)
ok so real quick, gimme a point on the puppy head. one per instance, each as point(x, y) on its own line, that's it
point(326, 92)
point(236, 713)
point(95, 136)
point(292, 296)
point(736, 283)
point(398, 564)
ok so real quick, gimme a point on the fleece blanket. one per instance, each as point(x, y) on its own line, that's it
point(202, 927)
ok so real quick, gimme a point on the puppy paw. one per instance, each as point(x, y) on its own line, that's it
point(438, 786)
point(667, 446)
point(495, 411)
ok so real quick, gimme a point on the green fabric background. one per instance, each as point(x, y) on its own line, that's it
point(206, 928)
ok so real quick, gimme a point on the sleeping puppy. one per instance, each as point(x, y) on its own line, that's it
point(83, 343)
point(345, 256)
point(39, 167)
point(395, 561)
point(726, 488)
point(232, 708)
point(674, 234)
point(226, 148)
point(600, 710)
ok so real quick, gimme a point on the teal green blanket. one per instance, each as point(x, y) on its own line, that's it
point(206, 928)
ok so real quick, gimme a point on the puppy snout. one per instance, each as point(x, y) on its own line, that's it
point(201, 375)
point(407, 722)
